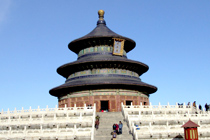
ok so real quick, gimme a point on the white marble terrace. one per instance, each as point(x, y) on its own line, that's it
point(164, 121)
point(48, 123)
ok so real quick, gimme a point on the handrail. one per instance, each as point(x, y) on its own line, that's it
point(93, 124)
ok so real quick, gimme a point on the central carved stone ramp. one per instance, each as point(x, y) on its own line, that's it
point(107, 119)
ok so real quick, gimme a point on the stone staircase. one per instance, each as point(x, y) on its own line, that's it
point(107, 119)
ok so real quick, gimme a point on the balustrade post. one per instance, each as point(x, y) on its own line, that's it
point(80, 115)
point(41, 129)
point(67, 115)
point(47, 109)
point(30, 117)
point(15, 111)
point(85, 107)
point(150, 124)
point(8, 111)
point(42, 119)
point(55, 117)
point(65, 107)
point(168, 105)
point(22, 110)
point(75, 129)
point(9, 119)
point(122, 108)
point(136, 136)
point(132, 126)
point(139, 117)
point(184, 105)
point(38, 109)
point(10, 130)
point(75, 107)
point(176, 106)
point(30, 110)
point(159, 105)
point(131, 105)
point(57, 130)
point(150, 105)
point(24, 131)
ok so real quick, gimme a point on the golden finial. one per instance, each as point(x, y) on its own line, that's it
point(101, 14)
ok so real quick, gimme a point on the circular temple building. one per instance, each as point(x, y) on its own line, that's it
point(102, 73)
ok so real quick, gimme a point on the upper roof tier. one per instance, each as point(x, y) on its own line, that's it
point(101, 35)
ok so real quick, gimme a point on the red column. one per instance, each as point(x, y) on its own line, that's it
point(191, 133)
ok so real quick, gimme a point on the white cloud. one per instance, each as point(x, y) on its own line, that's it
point(4, 9)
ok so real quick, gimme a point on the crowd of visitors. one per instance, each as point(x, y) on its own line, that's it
point(200, 107)
point(207, 106)
point(117, 130)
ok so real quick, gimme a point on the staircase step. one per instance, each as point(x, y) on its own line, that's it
point(107, 119)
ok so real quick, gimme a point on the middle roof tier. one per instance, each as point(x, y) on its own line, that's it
point(102, 61)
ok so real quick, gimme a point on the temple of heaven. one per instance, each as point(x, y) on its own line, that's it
point(102, 73)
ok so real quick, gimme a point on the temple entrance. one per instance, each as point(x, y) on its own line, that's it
point(128, 102)
point(105, 105)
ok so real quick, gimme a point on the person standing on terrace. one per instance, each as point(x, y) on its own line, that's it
point(120, 127)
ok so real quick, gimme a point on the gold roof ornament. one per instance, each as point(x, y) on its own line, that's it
point(101, 14)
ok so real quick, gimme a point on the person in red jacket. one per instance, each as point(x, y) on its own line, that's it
point(96, 123)
point(117, 127)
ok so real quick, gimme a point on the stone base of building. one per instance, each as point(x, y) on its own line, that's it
point(105, 99)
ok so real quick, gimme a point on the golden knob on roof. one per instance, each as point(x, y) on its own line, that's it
point(101, 14)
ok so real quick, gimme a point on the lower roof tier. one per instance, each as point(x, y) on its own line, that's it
point(103, 82)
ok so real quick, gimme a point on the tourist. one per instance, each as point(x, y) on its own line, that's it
point(114, 135)
point(207, 107)
point(137, 127)
point(120, 127)
point(96, 124)
point(97, 117)
point(114, 127)
point(200, 107)
point(117, 127)
point(194, 104)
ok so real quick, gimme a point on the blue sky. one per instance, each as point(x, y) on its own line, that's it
point(172, 38)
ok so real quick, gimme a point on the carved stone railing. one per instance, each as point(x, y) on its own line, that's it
point(48, 122)
point(171, 117)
